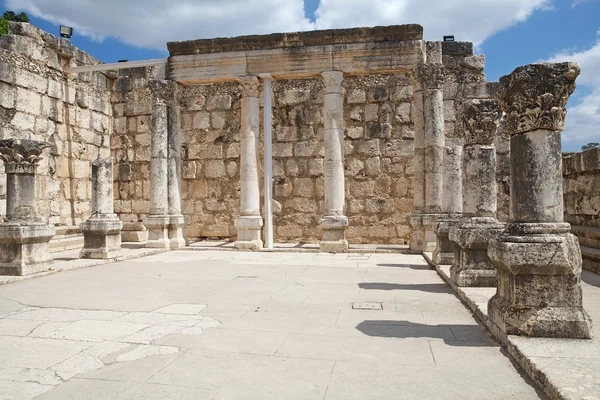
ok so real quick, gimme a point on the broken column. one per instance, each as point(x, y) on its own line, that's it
point(158, 220)
point(472, 266)
point(539, 261)
point(102, 230)
point(24, 236)
point(250, 222)
point(451, 203)
point(334, 221)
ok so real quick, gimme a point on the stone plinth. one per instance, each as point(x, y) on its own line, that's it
point(176, 228)
point(101, 237)
point(134, 232)
point(102, 231)
point(23, 237)
point(430, 222)
point(158, 231)
point(24, 248)
point(417, 241)
point(444, 249)
point(538, 261)
point(472, 266)
point(249, 237)
point(334, 234)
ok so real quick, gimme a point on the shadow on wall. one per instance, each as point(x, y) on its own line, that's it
point(426, 287)
point(452, 335)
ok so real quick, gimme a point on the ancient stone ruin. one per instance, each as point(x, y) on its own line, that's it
point(378, 137)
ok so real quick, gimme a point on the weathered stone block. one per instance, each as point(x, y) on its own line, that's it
point(287, 133)
point(292, 97)
point(219, 102)
point(283, 149)
point(215, 169)
point(188, 170)
point(7, 96)
point(371, 112)
point(304, 187)
point(218, 119)
point(369, 147)
point(356, 96)
point(403, 115)
point(378, 130)
point(379, 94)
point(355, 132)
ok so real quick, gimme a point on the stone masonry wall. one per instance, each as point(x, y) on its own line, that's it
point(581, 185)
point(39, 101)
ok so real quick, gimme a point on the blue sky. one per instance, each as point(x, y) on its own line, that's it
point(509, 32)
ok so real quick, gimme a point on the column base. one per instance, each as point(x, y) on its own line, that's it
point(158, 231)
point(417, 241)
point(539, 287)
point(24, 248)
point(334, 234)
point(101, 238)
point(444, 249)
point(472, 267)
point(177, 237)
point(429, 223)
point(134, 232)
point(248, 233)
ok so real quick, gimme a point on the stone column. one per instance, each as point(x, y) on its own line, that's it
point(539, 261)
point(431, 78)
point(472, 266)
point(102, 230)
point(250, 222)
point(334, 222)
point(158, 221)
point(417, 241)
point(24, 236)
point(451, 203)
point(177, 222)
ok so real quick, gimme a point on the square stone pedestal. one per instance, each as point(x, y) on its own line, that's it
point(539, 287)
point(158, 231)
point(248, 233)
point(444, 249)
point(101, 238)
point(24, 248)
point(472, 267)
point(417, 241)
point(177, 238)
point(334, 234)
point(429, 223)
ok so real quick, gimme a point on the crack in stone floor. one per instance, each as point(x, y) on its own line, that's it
point(90, 339)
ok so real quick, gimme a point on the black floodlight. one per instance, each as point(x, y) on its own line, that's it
point(448, 38)
point(65, 31)
point(122, 60)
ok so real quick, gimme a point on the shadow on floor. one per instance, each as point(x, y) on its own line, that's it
point(411, 266)
point(66, 258)
point(452, 335)
point(425, 287)
point(590, 278)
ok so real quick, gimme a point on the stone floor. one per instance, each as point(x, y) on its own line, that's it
point(233, 325)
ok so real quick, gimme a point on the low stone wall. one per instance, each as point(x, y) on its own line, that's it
point(581, 185)
point(39, 101)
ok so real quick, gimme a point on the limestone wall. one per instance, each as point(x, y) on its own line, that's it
point(581, 184)
point(39, 101)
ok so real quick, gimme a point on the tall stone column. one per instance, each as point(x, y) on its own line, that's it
point(417, 241)
point(334, 222)
point(472, 266)
point(539, 261)
point(250, 222)
point(24, 236)
point(177, 221)
point(451, 203)
point(431, 78)
point(102, 230)
point(159, 220)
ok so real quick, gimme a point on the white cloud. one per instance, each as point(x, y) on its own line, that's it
point(151, 23)
point(583, 117)
point(467, 20)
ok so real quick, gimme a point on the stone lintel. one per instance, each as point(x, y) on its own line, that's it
point(296, 40)
point(534, 96)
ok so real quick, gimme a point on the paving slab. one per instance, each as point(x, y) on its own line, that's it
point(218, 324)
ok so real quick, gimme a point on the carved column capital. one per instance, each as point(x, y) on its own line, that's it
point(164, 91)
point(333, 81)
point(534, 96)
point(21, 156)
point(249, 86)
point(479, 119)
point(429, 76)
